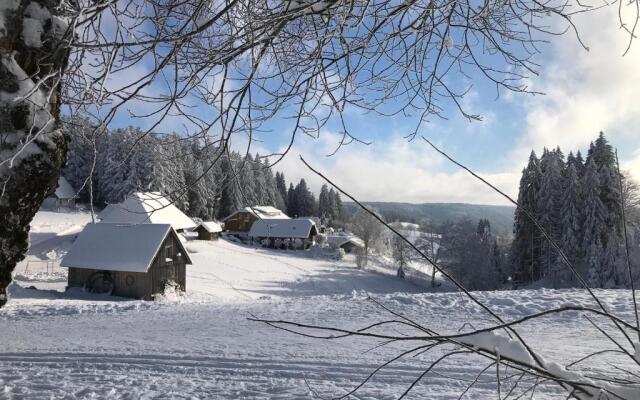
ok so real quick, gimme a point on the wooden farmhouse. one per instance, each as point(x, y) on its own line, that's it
point(138, 260)
point(63, 197)
point(146, 208)
point(242, 220)
point(208, 230)
point(297, 233)
point(350, 244)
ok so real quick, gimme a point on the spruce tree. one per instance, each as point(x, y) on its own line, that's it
point(594, 219)
point(306, 202)
point(337, 211)
point(571, 218)
point(281, 186)
point(548, 203)
point(324, 204)
point(292, 202)
point(525, 252)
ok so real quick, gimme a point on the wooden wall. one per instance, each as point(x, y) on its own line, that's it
point(143, 285)
point(240, 222)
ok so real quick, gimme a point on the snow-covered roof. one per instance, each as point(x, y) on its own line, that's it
point(262, 212)
point(210, 226)
point(282, 228)
point(115, 247)
point(341, 240)
point(405, 225)
point(146, 208)
point(64, 189)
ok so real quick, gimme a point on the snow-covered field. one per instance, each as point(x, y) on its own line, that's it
point(59, 344)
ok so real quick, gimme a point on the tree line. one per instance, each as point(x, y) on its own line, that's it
point(579, 203)
point(199, 177)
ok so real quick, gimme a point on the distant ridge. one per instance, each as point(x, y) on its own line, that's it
point(501, 217)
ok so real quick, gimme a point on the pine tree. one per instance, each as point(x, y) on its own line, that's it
point(306, 202)
point(230, 199)
point(594, 220)
point(281, 186)
point(571, 221)
point(525, 252)
point(602, 153)
point(324, 204)
point(548, 203)
point(337, 211)
point(580, 165)
point(292, 202)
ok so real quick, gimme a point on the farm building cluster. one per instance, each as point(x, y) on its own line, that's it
point(136, 249)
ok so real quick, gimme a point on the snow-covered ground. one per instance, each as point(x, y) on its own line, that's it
point(59, 344)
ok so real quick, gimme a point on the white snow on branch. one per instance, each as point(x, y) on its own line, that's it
point(35, 18)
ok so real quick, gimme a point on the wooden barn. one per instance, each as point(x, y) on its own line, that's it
point(349, 244)
point(136, 261)
point(63, 197)
point(242, 220)
point(285, 232)
point(208, 230)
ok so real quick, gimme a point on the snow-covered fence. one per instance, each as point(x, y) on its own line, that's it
point(33, 267)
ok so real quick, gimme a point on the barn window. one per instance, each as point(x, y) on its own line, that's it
point(168, 253)
point(129, 280)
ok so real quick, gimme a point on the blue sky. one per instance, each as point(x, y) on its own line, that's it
point(586, 91)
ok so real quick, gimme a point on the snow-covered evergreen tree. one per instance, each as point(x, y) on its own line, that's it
point(548, 203)
point(306, 202)
point(571, 219)
point(324, 203)
point(525, 251)
point(594, 219)
point(292, 202)
point(281, 187)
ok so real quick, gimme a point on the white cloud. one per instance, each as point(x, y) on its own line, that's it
point(586, 91)
point(388, 170)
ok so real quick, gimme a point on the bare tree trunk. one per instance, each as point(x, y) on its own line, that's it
point(33, 54)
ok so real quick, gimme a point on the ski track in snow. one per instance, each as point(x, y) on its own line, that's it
point(73, 345)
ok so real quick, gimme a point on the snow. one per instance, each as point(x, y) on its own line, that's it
point(262, 212)
point(211, 226)
point(64, 189)
point(114, 247)
point(200, 344)
point(36, 18)
point(282, 228)
point(146, 208)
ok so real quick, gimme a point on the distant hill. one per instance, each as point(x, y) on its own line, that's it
point(501, 217)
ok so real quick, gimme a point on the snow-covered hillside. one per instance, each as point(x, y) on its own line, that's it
point(201, 345)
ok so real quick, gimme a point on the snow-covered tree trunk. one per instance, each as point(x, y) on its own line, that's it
point(33, 55)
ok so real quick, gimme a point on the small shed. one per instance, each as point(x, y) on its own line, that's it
point(349, 244)
point(146, 208)
point(242, 220)
point(63, 197)
point(279, 232)
point(208, 230)
point(138, 260)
